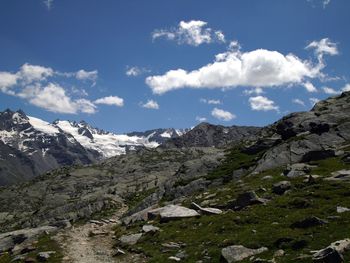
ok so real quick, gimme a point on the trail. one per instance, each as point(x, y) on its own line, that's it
point(79, 246)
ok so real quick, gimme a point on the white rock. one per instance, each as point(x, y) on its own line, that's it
point(341, 209)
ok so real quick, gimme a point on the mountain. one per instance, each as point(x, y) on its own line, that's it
point(281, 192)
point(209, 135)
point(30, 146)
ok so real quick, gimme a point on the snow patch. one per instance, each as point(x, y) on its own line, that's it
point(43, 126)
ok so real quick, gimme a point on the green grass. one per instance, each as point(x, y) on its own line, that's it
point(234, 159)
point(260, 225)
point(134, 199)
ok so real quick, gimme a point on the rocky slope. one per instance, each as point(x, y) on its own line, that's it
point(209, 135)
point(280, 196)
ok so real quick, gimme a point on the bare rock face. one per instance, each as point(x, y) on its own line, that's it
point(237, 253)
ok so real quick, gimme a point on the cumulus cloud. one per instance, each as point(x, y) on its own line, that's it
point(256, 91)
point(298, 101)
point(330, 91)
point(201, 119)
point(53, 97)
point(309, 87)
point(210, 101)
point(261, 103)
point(222, 114)
point(40, 86)
point(150, 104)
point(234, 68)
point(87, 75)
point(135, 71)
point(111, 100)
point(194, 33)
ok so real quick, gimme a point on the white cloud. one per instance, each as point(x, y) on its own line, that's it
point(53, 97)
point(30, 73)
point(201, 119)
point(7, 80)
point(87, 75)
point(261, 103)
point(346, 87)
point(222, 115)
point(298, 101)
point(324, 46)
point(258, 68)
point(194, 32)
point(150, 104)
point(330, 91)
point(48, 4)
point(210, 101)
point(41, 87)
point(135, 71)
point(256, 91)
point(313, 101)
point(111, 100)
point(309, 87)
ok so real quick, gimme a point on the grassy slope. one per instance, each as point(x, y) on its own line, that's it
point(260, 225)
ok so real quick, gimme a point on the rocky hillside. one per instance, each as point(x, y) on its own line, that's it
point(280, 196)
point(209, 135)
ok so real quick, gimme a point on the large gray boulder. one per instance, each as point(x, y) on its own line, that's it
point(237, 253)
point(172, 212)
point(130, 239)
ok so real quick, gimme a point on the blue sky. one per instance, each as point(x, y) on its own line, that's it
point(135, 65)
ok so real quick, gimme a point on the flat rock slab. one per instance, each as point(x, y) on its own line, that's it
point(130, 239)
point(206, 210)
point(237, 253)
point(172, 212)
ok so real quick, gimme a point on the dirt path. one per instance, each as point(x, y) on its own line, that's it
point(93, 242)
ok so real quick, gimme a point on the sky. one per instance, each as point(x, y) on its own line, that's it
point(135, 65)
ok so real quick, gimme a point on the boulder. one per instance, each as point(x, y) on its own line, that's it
point(328, 255)
point(130, 239)
point(238, 253)
point(247, 199)
point(281, 187)
point(206, 210)
point(150, 229)
point(45, 256)
point(172, 212)
point(341, 209)
point(342, 175)
point(309, 222)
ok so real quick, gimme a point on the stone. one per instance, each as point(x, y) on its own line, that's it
point(130, 239)
point(309, 222)
point(29, 260)
point(342, 175)
point(237, 253)
point(174, 258)
point(247, 199)
point(173, 245)
point(267, 177)
point(281, 187)
point(119, 252)
point(150, 229)
point(278, 253)
point(96, 222)
point(328, 255)
point(172, 212)
point(341, 209)
point(44, 256)
point(206, 210)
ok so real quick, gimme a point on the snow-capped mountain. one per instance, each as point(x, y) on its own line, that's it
point(30, 146)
